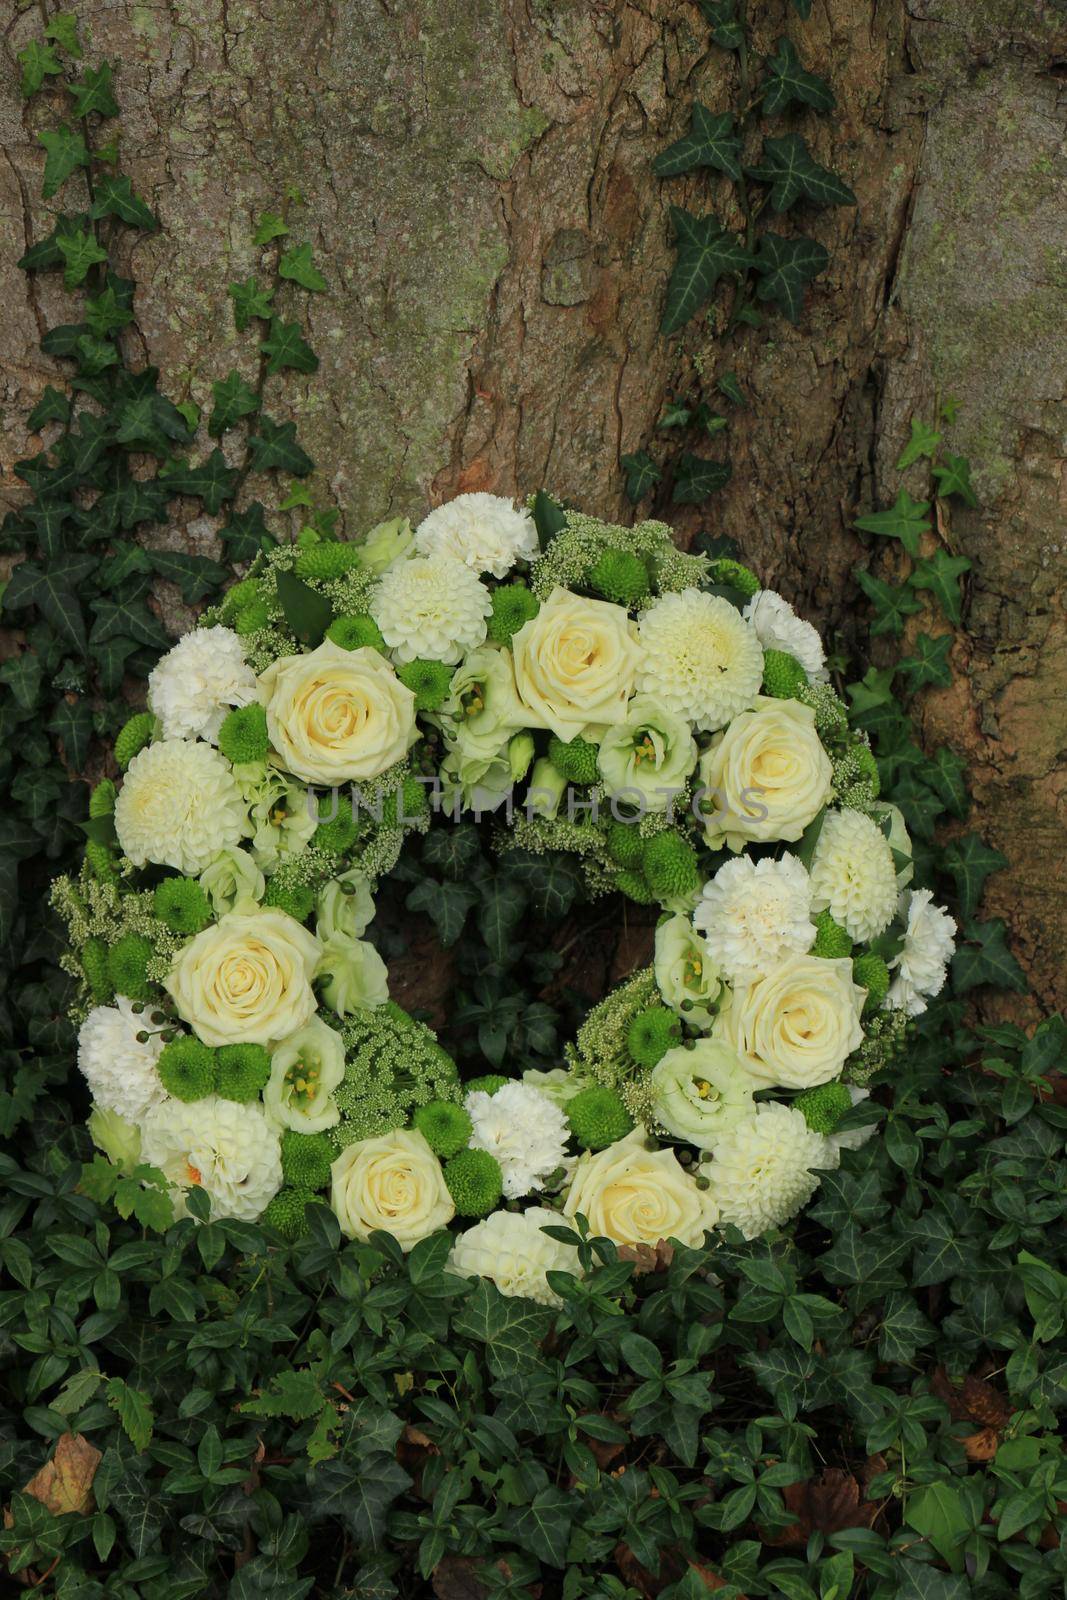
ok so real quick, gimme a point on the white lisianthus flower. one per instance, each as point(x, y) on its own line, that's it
point(699, 657)
point(345, 905)
point(511, 1250)
point(484, 531)
point(639, 1196)
point(432, 608)
point(700, 1093)
point(560, 1084)
point(919, 968)
point(194, 686)
point(352, 973)
point(305, 1069)
point(686, 975)
point(119, 1069)
point(227, 1149)
point(179, 805)
point(233, 882)
point(649, 756)
point(796, 1025)
point(853, 875)
point(892, 819)
point(524, 1130)
point(752, 913)
point(779, 628)
point(766, 1168)
point(115, 1137)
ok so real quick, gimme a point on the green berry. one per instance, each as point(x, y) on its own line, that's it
point(513, 607)
point(127, 965)
point(295, 899)
point(445, 1127)
point(635, 888)
point(732, 575)
point(243, 735)
point(868, 767)
point(133, 736)
point(306, 1159)
point(598, 1117)
point(619, 576)
point(872, 974)
point(669, 863)
point(488, 1084)
point(324, 561)
point(831, 940)
point(651, 1034)
point(429, 682)
point(186, 1068)
point(625, 845)
point(475, 1182)
point(243, 1070)
point(235, 599)
point(410, 806)
point(102, 799)
point(95, 967)
point(356, 633)
point(576, 759)
point(182, 905)
point(824, 1107)
point(783, 676)
point(287, 1213)
point(251, 618)
point(101, 861)
point(337, 836)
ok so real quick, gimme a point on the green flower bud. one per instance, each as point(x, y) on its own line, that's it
point(576, 760)
point(251, 619)
point(732, 575)
point(94, 960)
point(101, 861)
point(287, 1212)
point(547, 785)
point(513, 606)
point(306, 1159)
point(295, 899)
point(102, 799)
point(872, 974)
point(325, 561)
point(824, 1107)
point(429, 682)
point(520, 753)
point(243, 1070)
point(669, 863)
point(634, 887)
point(127, 965)
point(356, 633)
point(619, 576)
point(831, 940)
point(783, 675)
point(625, 845)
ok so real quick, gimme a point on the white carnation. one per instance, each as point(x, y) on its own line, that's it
point(119, 1069)
point(920, 967)
point(432, 607)
point(227, 1149)
point(484, 531)
point(753, 913)
point(193, 687)
point(510, 1249)
point(853, 875)
point(761, 1171)
point(179, 805)
point(524, 1130)
point(779, 628)
point(699, 657)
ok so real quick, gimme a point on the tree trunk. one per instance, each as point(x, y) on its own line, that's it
point(475, 177)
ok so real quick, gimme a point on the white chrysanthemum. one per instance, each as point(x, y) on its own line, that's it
point(227, 1149)
point(853, 874)
point(120, 1071)
point(699, 657)
point(524, 1130)
point(753, 913)
point(761, 1171)
point(193, 687)
point(179, 805)
point(510, 1249)
point(920, 967)
point(779, 628)
point(484, 531)
point(432, 607)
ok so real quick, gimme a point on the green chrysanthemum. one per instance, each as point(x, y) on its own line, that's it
point(186, 1068)
point(619, 576)
point(733, 575)
point(243, 1070)
point(339, 834)
point(252, 618)
point(445, 1126)
point(575, 760)
point(489, 1083)
point(297, 900)
point(872, 974)
point(635, 887)
point(133, 737)
point(669, 863)
point(94, 960)
point(127, 965)
point(306, 1159)
point(513, 607)
point(287, 1212)
point(598, 1117)
point(243, 736)
point(475, 1182)
point(236, 599)
point(783, 675)
point(824, 1107)
point(102, 799)
point(651, 1034)
point(355, 633)
point(428, 681)
point(326, 561)
point(411, 805)
point(101, 859)
point(868, 766)
point(625, 845)
point(831, 940)
point(182, 904)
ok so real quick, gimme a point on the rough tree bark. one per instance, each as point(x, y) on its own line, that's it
point(475, 176)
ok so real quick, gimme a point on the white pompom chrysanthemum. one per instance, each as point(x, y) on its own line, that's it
point(193, 687)
point(853, 874)
point(227, 1149)
point(510, 1249)
point(763, 1170)
point(432, 607)
point(120, 1069)
point(700, 658)
point(484, 531)
point(525, 1130)
point(929, 940)
point(779, 628)
point(753, 913)
point(179, 805)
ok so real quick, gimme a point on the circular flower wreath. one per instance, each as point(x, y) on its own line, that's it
point(656, 713)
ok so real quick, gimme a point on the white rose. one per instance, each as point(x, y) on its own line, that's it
point(336, 716)
point(246, 979)
point(394, 1184)
point(767, 777)
point(575, 664)
point(639, 1196)
point(796, 1025)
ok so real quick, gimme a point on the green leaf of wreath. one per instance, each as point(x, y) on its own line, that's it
point(307, 612)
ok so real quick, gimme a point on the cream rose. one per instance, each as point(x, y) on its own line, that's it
point(393, 1183)
point(335, 716)
point(575, 664)
point(767, 777)
point(246, 979)
point(796, 1025)
point(639, 1196)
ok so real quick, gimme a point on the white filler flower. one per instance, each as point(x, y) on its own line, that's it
point(179, 805)
point(753, 913)
point(853, 874)
point(195, 685)
point(920, 967)
point(484, 531)
point(432, 608)
point(524, 1130)
point(119, 1069)
point(761, 1171)
point(228, 1150)
point(510, 1249)
point(779, 628)
point(699, 657)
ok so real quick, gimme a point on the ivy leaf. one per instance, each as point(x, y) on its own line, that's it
point(544, 1526)
point(730, 386)
point(706, 252)
point(128, 618)
point(984, 958)
point(110, 310)
point(194, 575)
point(53, 590)
point(788, 81)
point(923, 442)
point(726, 30)
point(286, 347)
point(929, 664)
point(948, 774)
point(270, 226)
point(552, 882)
point(710, 142)
point(151, 422)
point(234, 399)
point(940, 573)
point(93, 93)
point(802, 8)
point(114, 197)
point(211, 480)
point(697, 478)
point(51, 407)
point(641, 474)
point(134, 500)
point(65, 153)
point(249, 300)
point(786, 267)
point(446, 905)
point(793, 173)
point(971, 861)
point(954, 477)
point(71, 724)
point(307, 612)
point(297, 265)
point(80, 252)
point(38, 61)
point(275, 447)
point(892, 602)
point(63, 30)
point(905, 520)
point(246, 534)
